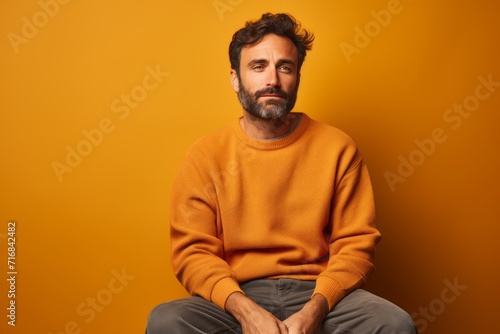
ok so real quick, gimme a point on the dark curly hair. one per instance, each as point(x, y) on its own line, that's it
point(280, 24)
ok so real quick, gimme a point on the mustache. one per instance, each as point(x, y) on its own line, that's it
point(271, 91)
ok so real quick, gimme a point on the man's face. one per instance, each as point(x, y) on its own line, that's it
point(268, 81)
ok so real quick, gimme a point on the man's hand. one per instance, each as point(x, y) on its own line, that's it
point(253, 318)
point(308, 320)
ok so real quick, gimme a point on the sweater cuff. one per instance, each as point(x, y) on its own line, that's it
point(329, 289)
point(222, 289)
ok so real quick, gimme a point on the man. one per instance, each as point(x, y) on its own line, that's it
point(272, 218)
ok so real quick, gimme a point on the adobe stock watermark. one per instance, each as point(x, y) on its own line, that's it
point(436, 307)
point(372, 29)
point(121, 107)
point(454, 118)
point(88, 309)
point(30, 27)
point(221, 7)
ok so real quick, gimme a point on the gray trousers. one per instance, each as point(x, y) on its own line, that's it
point(358, 313)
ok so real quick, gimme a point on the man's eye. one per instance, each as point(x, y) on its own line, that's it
point(258, 67)
point(285, 68)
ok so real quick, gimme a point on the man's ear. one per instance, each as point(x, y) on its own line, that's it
point(235, 82)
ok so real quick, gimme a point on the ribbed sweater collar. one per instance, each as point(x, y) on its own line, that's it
point(272, 144)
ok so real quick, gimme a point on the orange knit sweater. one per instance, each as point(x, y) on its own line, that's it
point(298, 207)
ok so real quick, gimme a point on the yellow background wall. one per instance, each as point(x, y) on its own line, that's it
point(99, 101)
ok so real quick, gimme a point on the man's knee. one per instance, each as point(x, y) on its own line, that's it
point(394, 320)
point(377, 315)
point(188, 315)
point(163, 317)
point(401, 323)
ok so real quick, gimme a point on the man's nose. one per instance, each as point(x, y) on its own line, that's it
point(272, 79)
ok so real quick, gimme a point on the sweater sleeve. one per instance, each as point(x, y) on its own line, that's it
point(353, 234)
point(197, 248)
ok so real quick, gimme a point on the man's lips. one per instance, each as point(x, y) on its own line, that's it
point(272, 95)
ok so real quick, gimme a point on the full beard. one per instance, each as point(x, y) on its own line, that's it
point(271, 109)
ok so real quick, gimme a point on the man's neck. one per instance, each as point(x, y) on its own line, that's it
point(267, 129)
